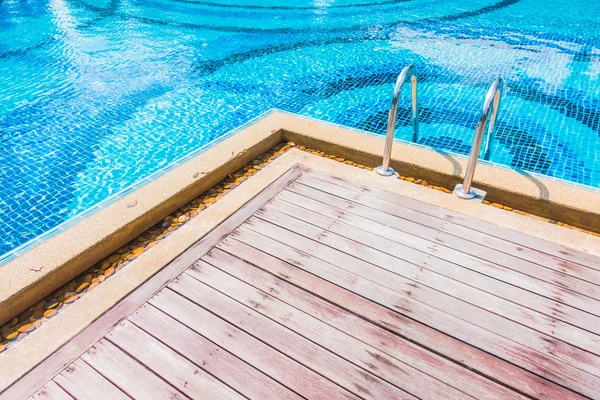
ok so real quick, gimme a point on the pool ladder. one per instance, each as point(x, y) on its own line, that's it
point(491, 105)
point(385, 169)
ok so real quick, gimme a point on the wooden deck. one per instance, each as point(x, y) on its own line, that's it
point(321, 288)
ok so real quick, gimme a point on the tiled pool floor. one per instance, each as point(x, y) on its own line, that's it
point(101, 94)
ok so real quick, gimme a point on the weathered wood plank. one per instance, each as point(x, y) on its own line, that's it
point(127, 374)
point(321, 214)
point(313, 356)
point(533, 248)
point(413, 356)
point(508, 249)
point(478, 307)
point(215, 360)
point(186, 377)
point(286, 370)
point(439, 343)
point(394, 371)
point(363, 280)
point(51, 391)
point(32, 381)
point(84, 383)
point(380, 237)
point(557, 278)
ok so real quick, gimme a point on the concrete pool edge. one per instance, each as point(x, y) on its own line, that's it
point(40, 270)
point(62, 257)
point(542, 196)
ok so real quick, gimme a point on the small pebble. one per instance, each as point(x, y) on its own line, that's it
point(82, 287)
point(26, 328)
point(51, 305)
point(12, 335)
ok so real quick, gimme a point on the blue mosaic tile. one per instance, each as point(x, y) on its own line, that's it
point(100, 95)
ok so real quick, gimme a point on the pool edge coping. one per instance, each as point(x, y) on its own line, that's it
point(39, 271)
point(42, 269)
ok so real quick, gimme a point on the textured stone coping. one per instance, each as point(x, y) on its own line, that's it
point(546, 197)
point(50, 336)
point(37, 273)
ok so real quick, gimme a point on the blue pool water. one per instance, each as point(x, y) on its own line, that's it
point(96, 95)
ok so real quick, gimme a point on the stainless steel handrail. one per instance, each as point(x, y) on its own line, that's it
point(491, 104)
point(385, 169)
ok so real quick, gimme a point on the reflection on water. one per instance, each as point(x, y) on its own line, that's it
point(100, 94)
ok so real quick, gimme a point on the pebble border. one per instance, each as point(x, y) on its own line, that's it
point(28, 321)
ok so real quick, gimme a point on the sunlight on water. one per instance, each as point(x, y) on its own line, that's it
point(99, 94)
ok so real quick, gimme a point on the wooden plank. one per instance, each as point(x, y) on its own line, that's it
point(215, 360)
point(558, 297)
point(557, 278)
point(363, 280)
point(431, 339)
point(508, 249)
point(84, 383)
point(414, 357)
point(286, 370)
point(381, 237)
point(51, 391)
point(478, 307)
point(380, 364)
point(50, 367)
point(127, 374)
point(354, 379)
point(532, 246)
point(186, 377)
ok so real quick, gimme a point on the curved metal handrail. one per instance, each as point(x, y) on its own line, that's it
point(385, 169)
point(491, 104)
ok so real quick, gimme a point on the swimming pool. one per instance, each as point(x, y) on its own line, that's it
point(97, 95)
